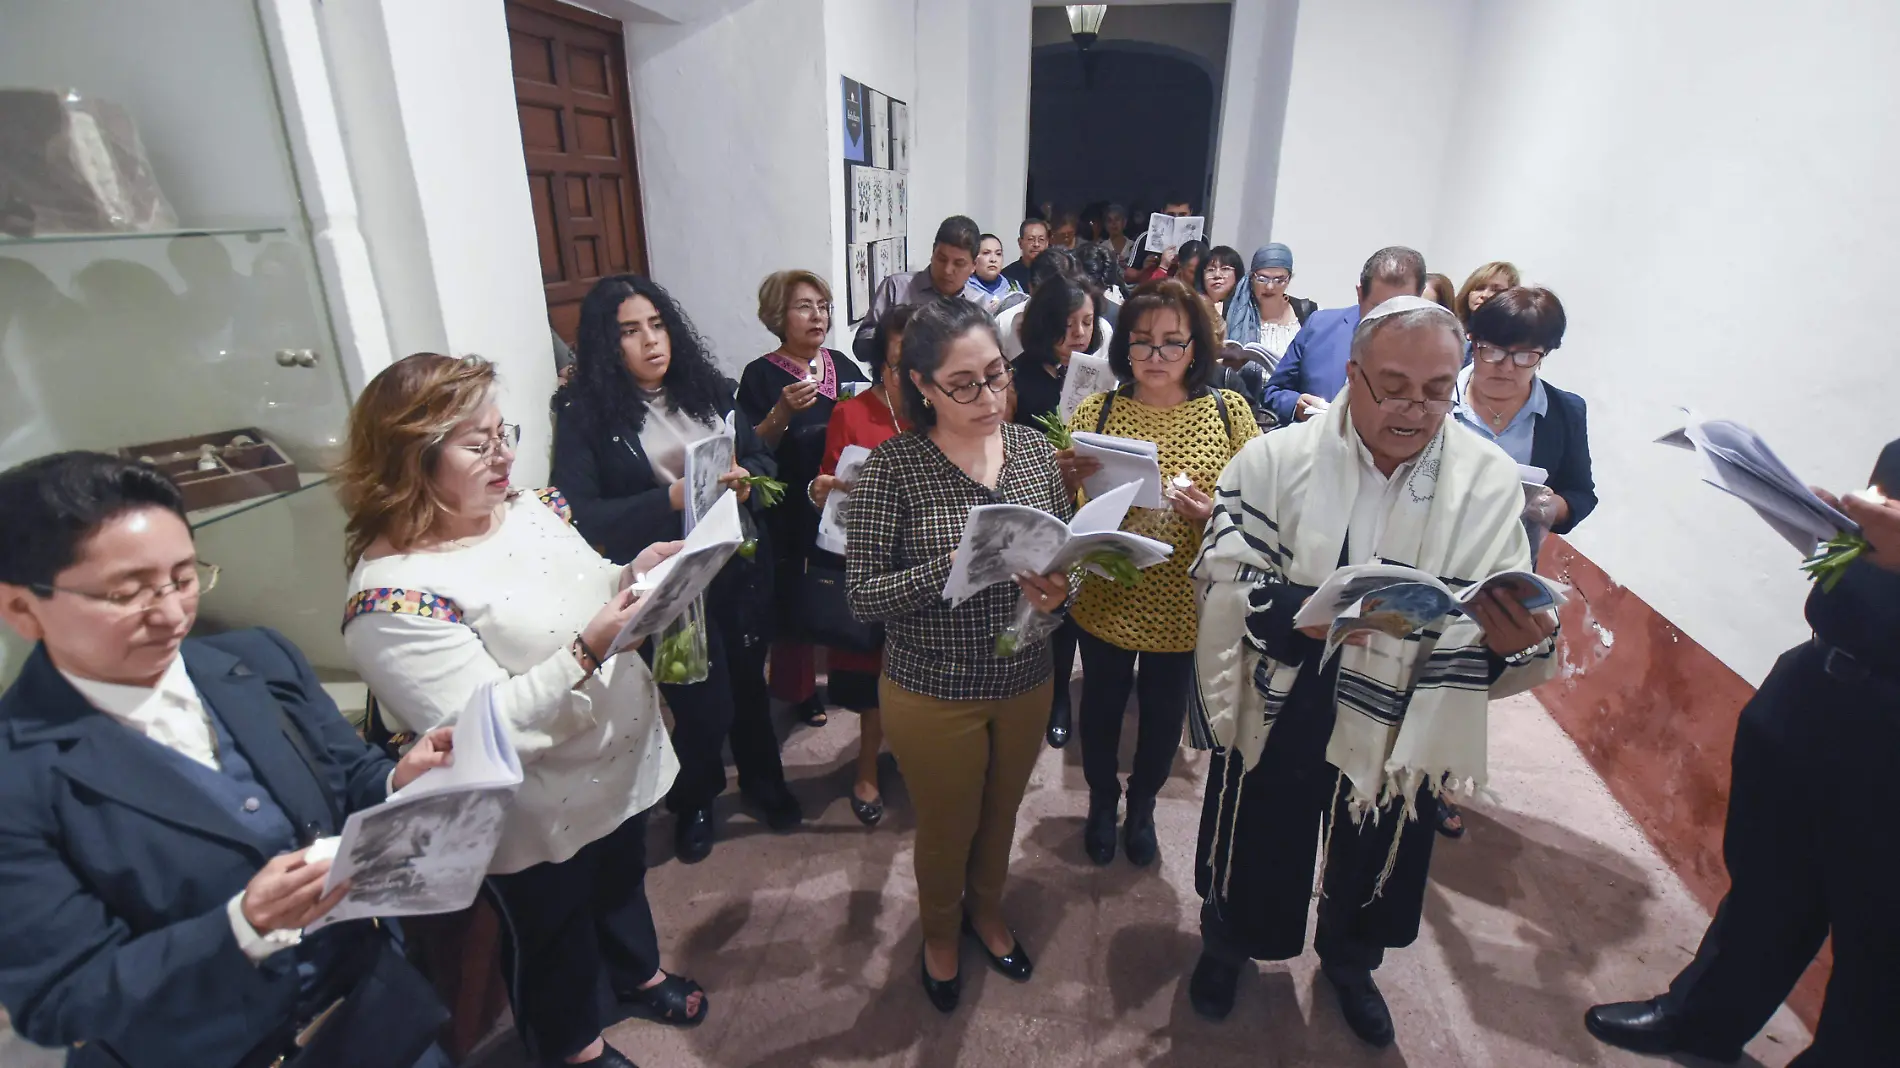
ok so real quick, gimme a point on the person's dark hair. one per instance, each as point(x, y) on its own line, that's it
point(1052, 262)
point(1033, 220)
point(1194, 252)
point(932, 328)
point(1394, 265)
point(602, 394)
point(1097, 264)
point(894, 322)
point(1066, 217)
point(980, 238)
point(1227, 256)
point(1046, 318)
point(1152, 297)
point(49, 507)
point(959, 231)
point(1177, 196)
point(1523, 316)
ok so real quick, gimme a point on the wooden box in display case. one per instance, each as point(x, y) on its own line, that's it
point(221, 468)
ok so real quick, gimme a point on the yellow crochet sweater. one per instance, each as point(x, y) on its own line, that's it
point(1158, 614)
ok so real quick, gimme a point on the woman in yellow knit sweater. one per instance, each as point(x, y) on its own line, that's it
point(1141, 638)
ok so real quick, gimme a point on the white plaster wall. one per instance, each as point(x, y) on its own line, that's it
point(874, 42)
point(1252, 119)
point(999, 110)
point(1708, 188)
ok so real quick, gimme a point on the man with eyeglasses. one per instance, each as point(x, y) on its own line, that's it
point(157, 795)
point(1313, 370)
point(1353, 746)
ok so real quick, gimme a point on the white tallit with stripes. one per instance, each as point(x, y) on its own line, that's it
point(1410, 711)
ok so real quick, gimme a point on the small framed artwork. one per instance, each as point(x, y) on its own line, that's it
point(854, 124)
point(878, 128)
point(900, 136)
point(859, 296)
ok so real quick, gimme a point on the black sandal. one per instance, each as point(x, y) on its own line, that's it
point(665, 1002)
point(811, 712)
point(1447, 813)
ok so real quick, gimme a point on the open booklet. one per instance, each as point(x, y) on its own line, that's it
point(835, 521)
point(1001, 541)
point(670, 587)
point(1398, 601)
point(1086, 375)
point(1173, 231)
point(706, 460)
point(427, 848)
point(1125, 461)
point(1737, 461)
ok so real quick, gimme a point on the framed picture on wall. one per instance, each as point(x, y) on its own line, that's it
point(858, 294)
point(878, 128)
point(857, 208)
point(900, 136)
point(854, 125)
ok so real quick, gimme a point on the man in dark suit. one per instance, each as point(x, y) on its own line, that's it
point(157, 793)
point(1811, 842)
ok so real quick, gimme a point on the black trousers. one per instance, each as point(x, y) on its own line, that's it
point(734, 703)
point(1160, 684)
point(1062, 648)
point(576, 932)
point(1259, 831)
point(1812, 847)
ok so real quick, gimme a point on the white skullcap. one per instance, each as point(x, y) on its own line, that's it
point(1404, 303)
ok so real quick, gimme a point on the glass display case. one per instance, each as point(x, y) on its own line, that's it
point(113, 340)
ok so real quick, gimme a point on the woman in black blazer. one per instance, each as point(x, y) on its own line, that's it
point(644, 388)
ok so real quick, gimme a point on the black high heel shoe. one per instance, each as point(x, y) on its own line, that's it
point(1014, 965)
point(943, 993)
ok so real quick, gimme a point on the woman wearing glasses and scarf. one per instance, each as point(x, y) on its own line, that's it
point(966, 725)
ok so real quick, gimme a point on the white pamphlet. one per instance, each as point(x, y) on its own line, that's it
point(707, 460)
point(1124, 461)
point(1532, 476)
point(1086, 376)
point(1737, 461)
point(427, 848)
point(1397, 600)
point(1001, 541)
point(1173, 231)
point(668, 589)
point(834, 521)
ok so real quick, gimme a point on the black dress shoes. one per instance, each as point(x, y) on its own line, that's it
point(943, 993)
point(1211, 987)
point(775, 802)
point(1362, 1005)
point(1646, 1027)
point(693, 835)
point(1014, 965)
point(1059, 717)
point(609, 1058)
point(1098, 834)
point(1138, 833)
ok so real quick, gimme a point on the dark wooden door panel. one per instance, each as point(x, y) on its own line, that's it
point(576, 119)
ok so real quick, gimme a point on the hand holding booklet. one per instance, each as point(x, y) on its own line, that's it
point(707, 461)
point(1737, 461)
point(1400, 601)
point(835, 520)
point(672, 586)
point(1001, 541)
point(1125, 461)
point(427, 848)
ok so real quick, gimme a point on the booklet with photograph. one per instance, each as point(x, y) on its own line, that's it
point(670, 587)
point(1124, 461)
point(1737, 461)
point(1173, 231)
point(1001, 541)
point(835, 520)
point(706, 460)
point(1086, 376)
point(1396, 600)
point(427, 848)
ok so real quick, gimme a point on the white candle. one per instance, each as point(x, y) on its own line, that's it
point(1871, 495)
point(1182, 481)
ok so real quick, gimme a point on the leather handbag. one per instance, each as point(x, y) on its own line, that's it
point(825, 615)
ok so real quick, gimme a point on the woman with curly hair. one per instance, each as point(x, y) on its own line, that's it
point(645, 387)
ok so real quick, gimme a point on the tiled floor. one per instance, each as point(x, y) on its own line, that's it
point(809, 942)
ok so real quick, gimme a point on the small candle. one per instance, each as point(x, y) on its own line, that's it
point(1182, 481)
point(1871, 495)
point(640, 583)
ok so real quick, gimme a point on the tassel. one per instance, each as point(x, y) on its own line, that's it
point(1326, 835)
point(1391, 861)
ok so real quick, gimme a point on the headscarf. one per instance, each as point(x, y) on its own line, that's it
point(1243, 313)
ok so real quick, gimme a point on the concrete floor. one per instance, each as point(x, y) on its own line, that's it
point(809, 942)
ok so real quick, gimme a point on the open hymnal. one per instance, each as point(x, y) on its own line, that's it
point(834, 521)
point(1086, 376)
point(1398, 601)
point(1124, 461)
point(707, 460)
point(427, 848)
point(672, 585)
point(1173, 231)
point(1737, 461)
point(1001, 541)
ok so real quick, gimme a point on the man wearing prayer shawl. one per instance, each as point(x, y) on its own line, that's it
point(1350, 751)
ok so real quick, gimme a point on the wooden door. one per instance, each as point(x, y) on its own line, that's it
point(577, 134)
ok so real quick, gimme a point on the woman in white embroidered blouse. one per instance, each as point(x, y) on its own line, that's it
point(461, 582)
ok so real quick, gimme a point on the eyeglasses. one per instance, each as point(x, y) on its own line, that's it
point(1220, 269)
point(968, 392)
point(202, 580)
point(1404, 405)
point(506, 436)
point(1490, 353)
point(1166, 352)
point(1272, 279)
point(807, 307)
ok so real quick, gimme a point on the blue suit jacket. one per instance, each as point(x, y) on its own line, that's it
point(115, 869)
point(1314, 363)
point(1560, 444)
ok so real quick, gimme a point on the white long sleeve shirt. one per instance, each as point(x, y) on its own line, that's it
point(593, 754)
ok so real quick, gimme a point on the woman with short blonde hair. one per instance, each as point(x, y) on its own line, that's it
point(463, 584)
point(1481, 285)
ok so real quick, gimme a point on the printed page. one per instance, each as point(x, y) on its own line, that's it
point(706, 460)
point(1124, 461)
point(1397, 611)
point(484, 755)
point(1086, 376)
point(670, 588)
point(835, 521)
point(1000, 541)
point(1346, 586)
point(1535, 592)
point(1737, 461)
point(1104, 513)
point(1143, 552)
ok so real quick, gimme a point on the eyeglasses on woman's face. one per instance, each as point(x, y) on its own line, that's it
point(1271, 278)
point(968, 392)
point(812, 308)
point(506, 436)
point(1489, 353)
point(202, 579)
point(1166, 351)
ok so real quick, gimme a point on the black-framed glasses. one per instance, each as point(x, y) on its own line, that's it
point(1490, 353)
point(506, 436)
point(1272, 279)
point(968, 392)
point(1166, 352)
point(812, 307)
point(1403, 405)
point(202, 580)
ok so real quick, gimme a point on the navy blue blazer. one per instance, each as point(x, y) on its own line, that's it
point(1560, 444)
point(1315, 361)
point(115, 869)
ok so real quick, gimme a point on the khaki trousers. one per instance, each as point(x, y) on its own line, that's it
point(966, 764)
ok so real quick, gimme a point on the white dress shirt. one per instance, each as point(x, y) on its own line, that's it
point(1377, 494)
point(173, 715)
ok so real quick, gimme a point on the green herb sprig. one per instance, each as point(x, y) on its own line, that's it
point(770, 490)
point(1832, 559)
point(1055, 430)
point(1117, 566)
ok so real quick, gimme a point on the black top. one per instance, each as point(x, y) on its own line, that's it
point(1018, 272)
point(1038, 386)
point(800, 451)
point(1861, 615)
point(1560, 444)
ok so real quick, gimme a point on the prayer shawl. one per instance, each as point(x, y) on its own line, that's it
point(1411, 711)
